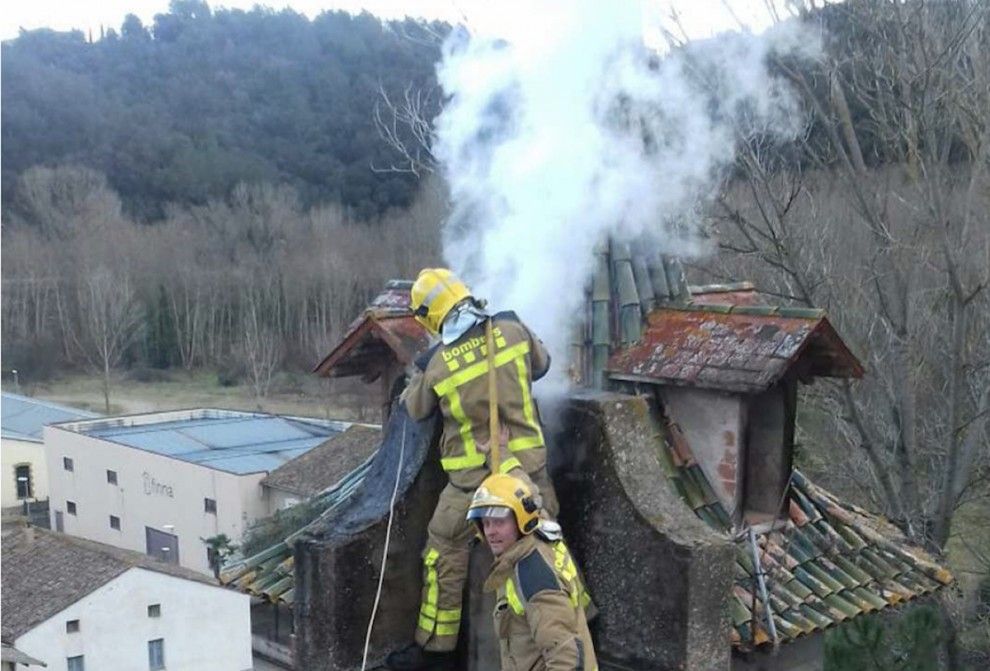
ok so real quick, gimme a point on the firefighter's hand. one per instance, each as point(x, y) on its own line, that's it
point(503, 441)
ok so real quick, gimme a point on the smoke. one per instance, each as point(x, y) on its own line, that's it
point(564, 129)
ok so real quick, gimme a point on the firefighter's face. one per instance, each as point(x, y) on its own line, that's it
point(500, 532)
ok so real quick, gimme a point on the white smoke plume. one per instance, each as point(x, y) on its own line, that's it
point(565, 129)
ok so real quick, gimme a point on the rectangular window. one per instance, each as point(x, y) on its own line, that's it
point(70, 507)
point(72, 626)
point(115, 522)
point(111, 477)
point(75, 664)
point(155, 610)
point(22, 475)
point(156, 654)
point(210, 506)
point(68, 465)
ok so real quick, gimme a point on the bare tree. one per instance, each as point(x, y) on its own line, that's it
point(881, 216)
point(109, 322)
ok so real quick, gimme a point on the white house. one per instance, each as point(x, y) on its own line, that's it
point(74, 605)
point(162, 482)
point(25, 475)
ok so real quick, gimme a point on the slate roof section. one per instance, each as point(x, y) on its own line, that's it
point(829, 562)
point(384, 333)
point(24, 418)
point(226, 440)
point(45, 572)
point(743, 348)
point(327, 464)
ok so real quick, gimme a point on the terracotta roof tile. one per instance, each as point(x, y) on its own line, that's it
point(735, 348)
point(830, 562)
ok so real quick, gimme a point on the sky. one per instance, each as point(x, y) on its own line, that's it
point(698, 17)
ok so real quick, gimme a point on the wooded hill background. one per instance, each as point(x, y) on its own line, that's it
point(183, 110)
point(215, 191)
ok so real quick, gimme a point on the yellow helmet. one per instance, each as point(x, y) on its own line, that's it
point(501, 495)
point(434, 293)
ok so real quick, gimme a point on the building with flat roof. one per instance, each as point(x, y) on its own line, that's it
point(22, 419)
point(71, 603)
point(161, 483)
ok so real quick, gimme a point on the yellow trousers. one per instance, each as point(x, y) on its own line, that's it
point(445, 560)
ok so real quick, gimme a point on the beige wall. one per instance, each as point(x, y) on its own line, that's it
point(13, 453)
point(279, 499)
point(152, 490)
point(713, 425)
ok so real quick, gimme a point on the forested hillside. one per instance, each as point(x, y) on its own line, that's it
point(182, 110)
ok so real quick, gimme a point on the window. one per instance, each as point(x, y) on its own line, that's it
point(22, 475)
point(72, 626)
point(67, 465)
point(70, 507)
point(210, 506)
point(75, 663)
point(155, 610)
point(156, 654)
point(115, 522)
point(111, 477)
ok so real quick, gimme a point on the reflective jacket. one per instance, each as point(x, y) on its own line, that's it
point(539, 614)
point(454, 378)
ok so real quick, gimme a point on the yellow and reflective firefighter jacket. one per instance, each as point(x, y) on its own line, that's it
point(455, 378)
point(539, 613)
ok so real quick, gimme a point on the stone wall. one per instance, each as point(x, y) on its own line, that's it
point(659, 576)
point(337, 569)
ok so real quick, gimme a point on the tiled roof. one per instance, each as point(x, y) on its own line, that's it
point(743, 348)
point(226, 440)
point(269, 574)
point(324, 466)
point(827, 563)
point(386, 331)
point(24, 418)
point(45, 572)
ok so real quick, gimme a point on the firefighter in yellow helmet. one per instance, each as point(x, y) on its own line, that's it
point(540, 607)
point(452, 378)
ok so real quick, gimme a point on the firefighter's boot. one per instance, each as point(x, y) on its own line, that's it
point(414, 658)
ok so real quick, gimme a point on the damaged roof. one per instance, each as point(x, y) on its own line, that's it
point(743, 348)
point(828, 562)
point(384, 333)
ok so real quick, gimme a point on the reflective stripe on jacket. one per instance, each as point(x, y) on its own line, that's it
point(454, 378)
point(539, 615)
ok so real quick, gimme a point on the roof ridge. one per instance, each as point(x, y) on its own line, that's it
point(754, 310)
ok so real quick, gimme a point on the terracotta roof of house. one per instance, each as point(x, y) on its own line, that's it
point(385, 332)
point(744, 348)
point(327, 464)
point(828, 562)
point(45, 572)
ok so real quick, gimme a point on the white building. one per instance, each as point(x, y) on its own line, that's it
point(25, 474)
point(75, 605)
point(162, 482)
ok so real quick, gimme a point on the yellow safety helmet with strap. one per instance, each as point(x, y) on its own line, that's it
point(501, 495)
point(434, 293)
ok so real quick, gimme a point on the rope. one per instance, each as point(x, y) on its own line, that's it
point(494, 436)
point(388, 537)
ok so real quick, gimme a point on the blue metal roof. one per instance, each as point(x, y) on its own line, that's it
point(23, 418)
point(227, 440)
